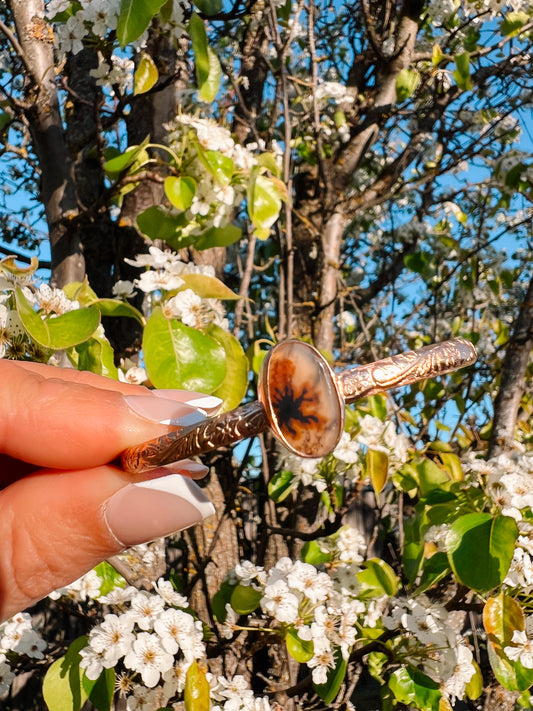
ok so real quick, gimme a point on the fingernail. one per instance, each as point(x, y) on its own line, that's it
point(164, 411)
point(207, 403)
point(151, 509)
point(188, 467)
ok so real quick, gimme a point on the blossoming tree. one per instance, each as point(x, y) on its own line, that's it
point(212, 178)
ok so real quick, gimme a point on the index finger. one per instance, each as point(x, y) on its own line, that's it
point(73, 421)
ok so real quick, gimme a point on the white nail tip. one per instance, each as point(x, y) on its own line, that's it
point(207, 403)
point(179, 485)
point(192, 418)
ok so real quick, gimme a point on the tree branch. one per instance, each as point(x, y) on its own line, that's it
point(512, 382)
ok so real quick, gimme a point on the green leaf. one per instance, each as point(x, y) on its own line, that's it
point(180, 191)
point(312, 553)
point(221, 598)
point(208, 287)
point(134, 18)
point(377, 404)
point(411, 686)
point(452, 464)
point(134, 156)
point(502, 615)
point(435, 569)
point(61, 332)
point(462, 71)
point(209, 7)
point(146, 75)
point(264, 204)
point(299, 649)
point(428, 475)
point(97, 356)
point(245, 599)
point(281, 485)
point(218, 237)
point(235, 383)
point(330, 689)
point(513, 22)
point(80, 291)
point(377, 579)
point(196, 694)
point(156, 224)
point(220, 166)
point(480, 549)
point(198, 37)
point(269, 161)
point(178, 356)
point(209, 89)
point(116, 308)
point(407, 83)
point(110, 577)
point(475, 686)
point(437, 55)
point(62, 685)
point(377, 464)
point(503, 669)
point(102, 690)
point(9, 265)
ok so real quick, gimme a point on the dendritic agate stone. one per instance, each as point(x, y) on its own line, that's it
point(299, 393)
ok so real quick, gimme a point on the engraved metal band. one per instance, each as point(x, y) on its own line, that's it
point(251, 419)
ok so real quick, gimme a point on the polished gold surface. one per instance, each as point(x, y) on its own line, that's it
point(302, 400)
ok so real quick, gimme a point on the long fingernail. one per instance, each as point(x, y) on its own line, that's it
point(164, 411)
point(187, 467)
point(207, 403)
point(151, 509)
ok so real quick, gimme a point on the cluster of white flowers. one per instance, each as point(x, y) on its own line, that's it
point(17, 636)
point(164, 274)
point(117, 72)
point(347, 461)
point(14, 342)
point(311, 602)
point(433, 638)
point(155, 639)
point(235, 695)
point(508, 481)
point(441, 10)
point(218, 192)
point(97, 20)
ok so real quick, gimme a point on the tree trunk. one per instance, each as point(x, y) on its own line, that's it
point(512, 381)
point(42, 112)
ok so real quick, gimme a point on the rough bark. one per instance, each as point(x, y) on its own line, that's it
point(86, 152)
point(42, 112)
point(512, 381)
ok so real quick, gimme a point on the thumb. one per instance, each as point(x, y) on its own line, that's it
point(57, 525)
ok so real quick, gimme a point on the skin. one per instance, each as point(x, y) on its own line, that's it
point(61, 431)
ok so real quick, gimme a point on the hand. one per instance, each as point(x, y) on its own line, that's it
point(64, 505)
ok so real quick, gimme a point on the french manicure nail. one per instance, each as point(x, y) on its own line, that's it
point(164, 411)
point(207, 403)
point(146, 510)
point(188, 467)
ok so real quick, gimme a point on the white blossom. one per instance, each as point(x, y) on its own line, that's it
point(148, 657)
point(521, 649)
point(279, 602)
point(145, 608)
